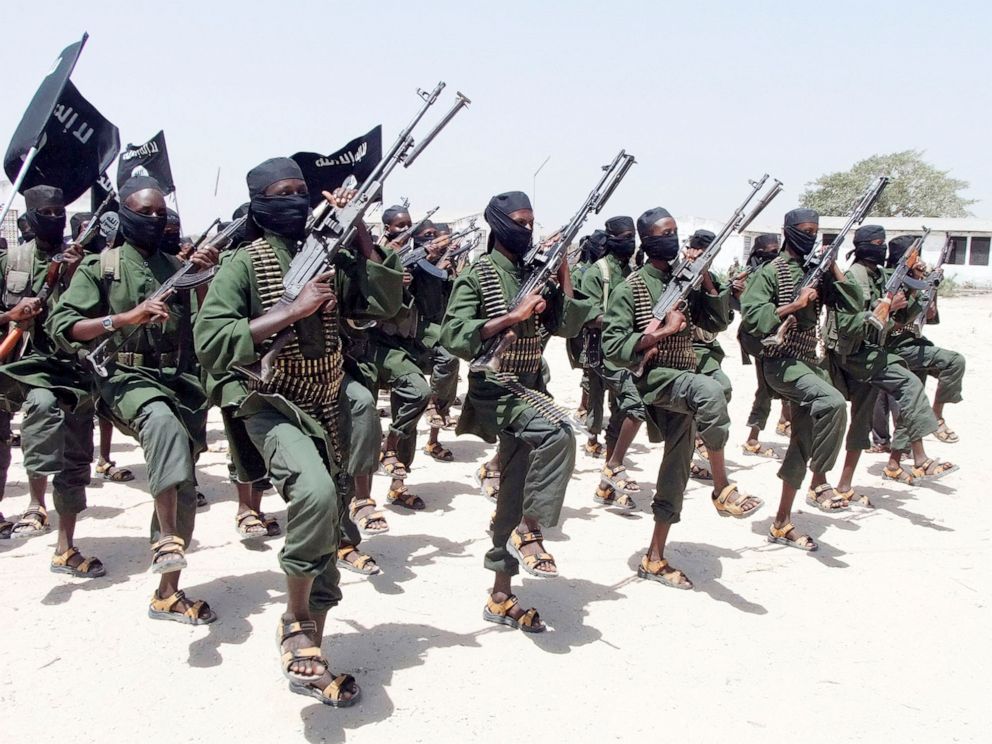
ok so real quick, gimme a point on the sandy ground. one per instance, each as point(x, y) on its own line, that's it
point(879, 634)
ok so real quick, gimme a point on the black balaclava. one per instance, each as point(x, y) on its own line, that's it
point(593, 247)
point(795, 238)
point(46, 229)
point(764, 250)
point(701, 239)
point(657, 247)
point(285, 216)
point(622, 248)
point(172, 237)
point(141, 230)
point(389, 216)
point(517, 239)
point(27, 232)
point(897, 249)
point(864, 249)
point(425, 234)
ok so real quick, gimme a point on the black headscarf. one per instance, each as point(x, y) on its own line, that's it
point(46, 229)
point(284, 215)
point(766, 243)
point(622, 248)
point(864, 249)
point(897, 249)
point(593, 247)
point(701, 239)
point(517, 239)
point(619, 225)
point(171, 239)
point(77, 221)
point(795, 238)
point(391, 213)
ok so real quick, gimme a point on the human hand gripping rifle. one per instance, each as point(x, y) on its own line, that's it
point(543, 263)
point(332, 228)
point(817, 264)
point(900, 278)
point(418, 256)
point(404, 237)
point(688, 274)
point(933, 280)
point(187, 277)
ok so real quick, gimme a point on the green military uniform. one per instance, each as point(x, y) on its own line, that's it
point(57, 429)
point(430, 294)
point(793, 371)
point(295, 420)
point(709, 353)
point(860, 367)
point(677, 400)
point(597, 283)
point(150, 394)
point(536, 455)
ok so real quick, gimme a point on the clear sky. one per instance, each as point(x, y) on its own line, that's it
point(705, 94)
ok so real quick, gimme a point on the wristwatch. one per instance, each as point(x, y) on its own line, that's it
point(108, 324)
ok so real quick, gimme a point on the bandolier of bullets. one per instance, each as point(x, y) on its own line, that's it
point(311, 384)
point(523, 356)
point(674, 352)
point(798, 344)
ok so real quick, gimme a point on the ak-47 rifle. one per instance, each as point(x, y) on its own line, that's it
point(332, 228)
point(187, 277)
point(405, 235)
point(542, 265)
point(900, 277)
point(933, 280)
point(819, 263)
point(688, 275)
point(418, 255)
point(52, 278)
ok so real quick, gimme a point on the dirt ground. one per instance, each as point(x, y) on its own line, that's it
point(879, 635)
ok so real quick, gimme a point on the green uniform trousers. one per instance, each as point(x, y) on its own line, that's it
point(721, 377)
point(168, 453)
point(926, 359)
point(409, 395)
point(761, 408)
point(58, 444)
point(536, 461)
point(444, 377)
point(300, 473)
point(819, 415)
point(624, 401)
point(6, 436)
point(363, 433)
point(691, 402)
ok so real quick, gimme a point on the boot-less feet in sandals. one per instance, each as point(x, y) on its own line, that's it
point(944, 433)
point(32, 523)
point(539, 564)
point(438, 452)
point(389, 464)
point(402, 497)
point(739, 506)
point(663, 573)
point(250, 526)
point(360, 562)
point(609, 496)
point(295, 639)
point(197, 613)
point(754, 449)
point(501, 613)
point(932, 469)
point(781, 536)
point(73, 562)
point(370, 522)
point(169, 555)
point(332, 694)
point(619, 479)
point(488, 482)
point(833, 503)
point(108, 470)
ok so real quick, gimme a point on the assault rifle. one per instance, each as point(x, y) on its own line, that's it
point(817, 264)
point(933, 280)
point(542, 264)
point(688, 274)
point(418, 256)
point(900, 277)
point(332, 228)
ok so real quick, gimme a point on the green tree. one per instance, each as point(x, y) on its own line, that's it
point(917, 189)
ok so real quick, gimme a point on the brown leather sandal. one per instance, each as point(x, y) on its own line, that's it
point(655, 571)
point(167, 546)
point(403, 497)
point(334, 694)
point(198, 613)
point(389, 463)
point(499, 613)
point(609, 497)
point(84, 568)
point(727, 507)
point(363, 522)
point(800, 541)
point(364, 564)
point(285, 631)
point(33, 522)
point(530, 563)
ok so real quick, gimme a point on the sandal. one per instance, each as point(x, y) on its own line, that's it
point(784, 428)
point(333, 694)
point(499, 613)
point(33, 522)
point(879, 448)
point(285, 631)
point(198, 613)
point(110, 472)
point(6, 527)
point(608, 497)
point(271, 524)
point(482, 475)
point(735, 508)
point(530, 563)
point(831, 504)
point(781, 535)
point(944, 433)
point(84, 568)
point(201, 500)
point(434, 419)
point(250, 526)
point(393, 468)
point(755, 450)
point(699, 473)
point(364, 564)
point(168, 545)
point(932, 469)
point(899, 474)
point(594, 449)
point(856, 499)
point(363, 522)
point(655, 571)
point(701, 450)
point(402, 497)
point(616, 478)
point(439, 453)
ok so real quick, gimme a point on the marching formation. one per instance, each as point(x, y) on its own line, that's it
point(295, 314)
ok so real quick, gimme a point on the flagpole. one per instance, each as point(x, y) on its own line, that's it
point(21, 175)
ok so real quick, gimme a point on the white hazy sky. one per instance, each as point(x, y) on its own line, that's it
point(705, 94)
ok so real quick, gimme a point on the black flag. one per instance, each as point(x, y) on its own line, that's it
point(39, 111)
point(149, 159)
point(326, 172)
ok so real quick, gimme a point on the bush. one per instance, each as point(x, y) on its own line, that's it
point(949, 287)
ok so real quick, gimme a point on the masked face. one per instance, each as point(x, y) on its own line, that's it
point(801, 241)
point(661, 247)
point(284, 215)
point(142, 230)
point(514, 237)
point(621, 246)
point(170, 242)
point(873, 251)
point(48, 225)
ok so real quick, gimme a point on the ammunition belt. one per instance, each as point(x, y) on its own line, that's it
point(524, 355)
point(674, 352)
point(798, 344)
point(542, 403)
point(147, 359)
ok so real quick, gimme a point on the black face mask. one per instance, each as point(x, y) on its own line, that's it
point(97, 244)
point(622, 248)
point(661, 247)
point(285, 216)
point(170, 243)
point(48, 229)
point(802, 243)
point(419, 241)
point(516, 238)
point(870, 252)
point(141, 230)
